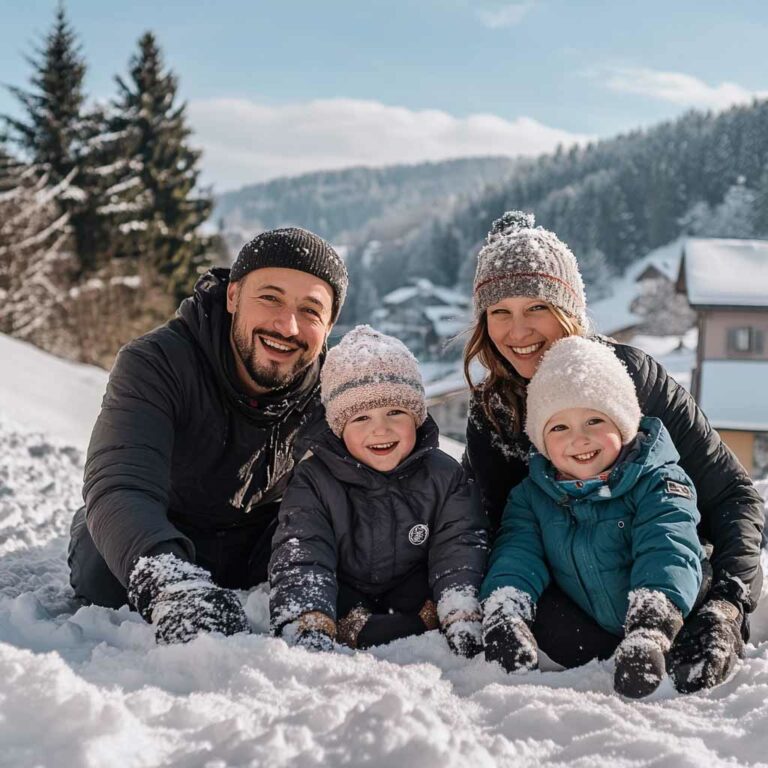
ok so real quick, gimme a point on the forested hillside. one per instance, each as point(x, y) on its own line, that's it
point(357, 204)
point(612, 201)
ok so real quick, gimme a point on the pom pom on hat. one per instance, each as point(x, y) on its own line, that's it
point(519, 259)
point(368, 369)
point(579, 373)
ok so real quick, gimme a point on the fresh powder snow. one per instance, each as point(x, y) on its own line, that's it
point(88, 686)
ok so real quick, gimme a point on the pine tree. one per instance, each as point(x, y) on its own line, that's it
point(36, 264)
point(51, 134)
point(166, 210)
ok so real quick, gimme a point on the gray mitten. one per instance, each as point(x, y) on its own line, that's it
point(507, 618)
point(181, 600)
point(651, 625)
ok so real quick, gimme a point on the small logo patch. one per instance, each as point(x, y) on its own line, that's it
point(678, 489)
point(418, 534)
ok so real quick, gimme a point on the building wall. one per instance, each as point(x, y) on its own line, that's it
point(450, 412)
point(742, 444)
point(719, 322)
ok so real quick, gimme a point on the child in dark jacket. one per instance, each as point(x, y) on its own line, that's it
point(380, 534)
point(606, 512)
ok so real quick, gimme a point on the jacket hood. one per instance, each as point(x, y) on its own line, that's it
point(651, 449)
point(348, 470)
point(206, 319)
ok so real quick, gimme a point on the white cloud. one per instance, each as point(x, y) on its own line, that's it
point(246, 142)
point(506, 15)
point(679, 88)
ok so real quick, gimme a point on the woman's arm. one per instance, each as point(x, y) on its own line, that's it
point(732, 515)
point(495, 460)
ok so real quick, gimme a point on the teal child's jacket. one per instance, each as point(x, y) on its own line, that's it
point(599, 540)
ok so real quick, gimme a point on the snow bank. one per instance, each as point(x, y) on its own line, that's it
point(83, 687)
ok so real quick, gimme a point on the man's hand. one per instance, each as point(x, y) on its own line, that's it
point(507, 618)
point(707, 647)
point(314, 631)
point(181, 600)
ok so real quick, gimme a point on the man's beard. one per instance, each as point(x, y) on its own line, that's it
point(268, 375)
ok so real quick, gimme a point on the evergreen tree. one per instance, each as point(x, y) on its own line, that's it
point(52, 131)
point(165, 210)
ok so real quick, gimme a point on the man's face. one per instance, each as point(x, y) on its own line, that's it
point(280, 320)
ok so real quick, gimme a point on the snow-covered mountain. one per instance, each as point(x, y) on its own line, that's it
point(82, 687)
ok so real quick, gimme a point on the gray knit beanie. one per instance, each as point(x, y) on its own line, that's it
point(578, 373)
point(368, 369)
point(294, 248)
point(520, 260)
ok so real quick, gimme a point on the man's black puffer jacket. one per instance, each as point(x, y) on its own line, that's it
point(732, 515)
point(176, 444)
point(343, 520)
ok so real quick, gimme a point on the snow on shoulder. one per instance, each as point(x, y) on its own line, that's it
point(88, 686)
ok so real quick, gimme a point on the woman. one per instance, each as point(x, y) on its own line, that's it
point(528, 293)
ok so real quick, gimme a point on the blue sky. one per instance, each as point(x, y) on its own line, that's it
point(285, 87)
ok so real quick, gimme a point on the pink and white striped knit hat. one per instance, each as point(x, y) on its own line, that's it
point(368, 369)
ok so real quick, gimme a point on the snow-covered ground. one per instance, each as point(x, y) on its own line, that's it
point(89, 687)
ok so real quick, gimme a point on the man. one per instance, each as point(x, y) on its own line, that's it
point(197, 437)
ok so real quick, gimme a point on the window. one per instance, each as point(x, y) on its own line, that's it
point(745, 340)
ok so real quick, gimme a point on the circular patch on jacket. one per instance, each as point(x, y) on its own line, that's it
point(418, 534)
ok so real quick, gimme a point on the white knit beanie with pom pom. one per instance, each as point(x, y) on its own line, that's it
point(368, 369)
point(578, 373)
point(519, 259)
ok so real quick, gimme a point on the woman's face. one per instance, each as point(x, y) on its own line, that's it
point(523, 328)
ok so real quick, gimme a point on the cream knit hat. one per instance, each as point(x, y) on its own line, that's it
point(368, 369)
point(519, 259)
point(578, 373)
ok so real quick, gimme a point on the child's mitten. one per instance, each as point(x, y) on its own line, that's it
point(507, 618)
point(180, 600)
point(315, 631)
point(460, 617)
point(707, 647)
point(651, 625)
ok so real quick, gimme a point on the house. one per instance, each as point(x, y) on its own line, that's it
point(424, 316)
point(644, 299)
point(726, 282)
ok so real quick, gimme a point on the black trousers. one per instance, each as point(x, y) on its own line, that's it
point(571, 637)
point(394, 614)
point(237, 558)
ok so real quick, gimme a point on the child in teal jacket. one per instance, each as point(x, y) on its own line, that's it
point(606, 512)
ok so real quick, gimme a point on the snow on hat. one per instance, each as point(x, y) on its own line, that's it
point(294, 248)
point(368, 369)
point(520, 260)
point(578, 373)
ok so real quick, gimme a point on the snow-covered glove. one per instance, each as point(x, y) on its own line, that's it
point(507, 619)
point(652, 623)
point(707, 647)
point(460, 616)
point(314, 631)
point(181, 600)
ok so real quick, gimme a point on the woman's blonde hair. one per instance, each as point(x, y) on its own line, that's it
point(503, 383)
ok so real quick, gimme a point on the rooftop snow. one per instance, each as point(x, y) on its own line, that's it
point(733, 394)
point(726, 272)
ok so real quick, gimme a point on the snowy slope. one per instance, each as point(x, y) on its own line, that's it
point(89, 687)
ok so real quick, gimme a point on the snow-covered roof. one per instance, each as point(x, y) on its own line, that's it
point(612, 314)
point(719, 272)
point(733, 394)
point(424, 287)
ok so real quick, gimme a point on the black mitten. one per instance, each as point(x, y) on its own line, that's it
point(707, 647)
point(507, 618)
point(181, 600)
point(651, 625)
